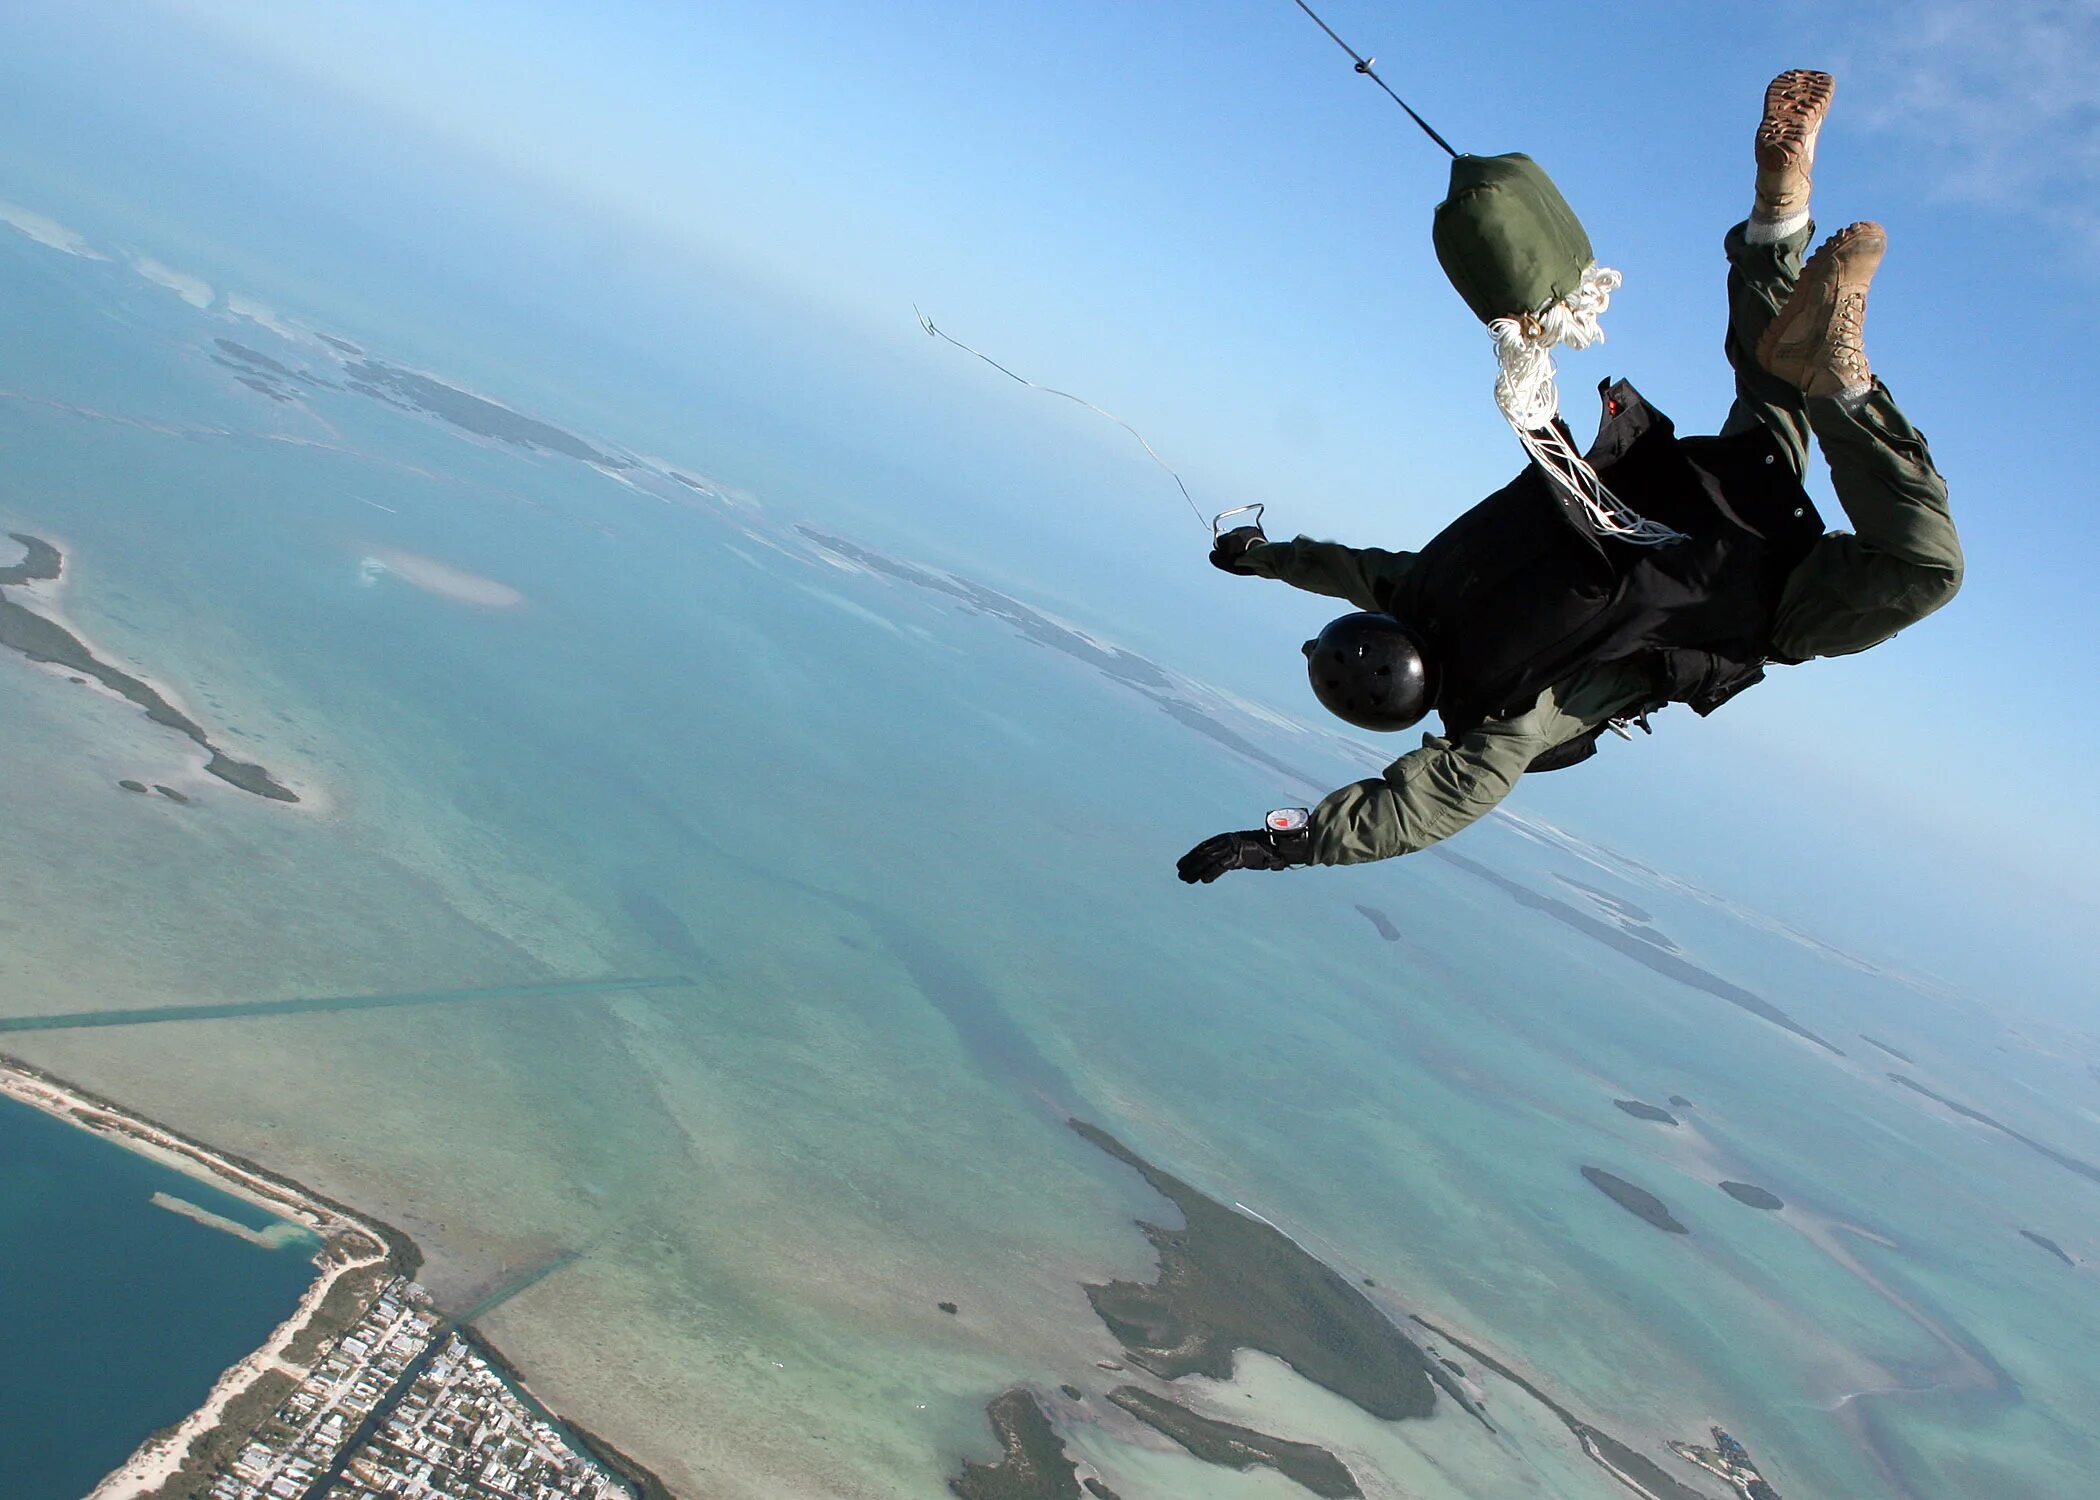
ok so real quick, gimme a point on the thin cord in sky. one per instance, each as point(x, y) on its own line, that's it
point(1363, 66)
point(927, 324)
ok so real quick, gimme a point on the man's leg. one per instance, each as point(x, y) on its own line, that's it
point(1902, 560)
point(1764, 257)
point(1760, 278)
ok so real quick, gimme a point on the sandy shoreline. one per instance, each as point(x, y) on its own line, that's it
point(350, 1244)
point(45, 598)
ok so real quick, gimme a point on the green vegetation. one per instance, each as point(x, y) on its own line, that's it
point(41, 640)
point(42, 563)
point(1034, 1466)
point(1653, 1480)
point(213, 1448)
point(2051, 1246)
point(339, 1310)
point(1228, 1281)
point(1642, 951)
point(471, 413)
point(1891, 1051)
point(1637, 1201)
point(1756, 1197)
point(1642, 1111)
point(1239, 1447)
point(2063, 1159)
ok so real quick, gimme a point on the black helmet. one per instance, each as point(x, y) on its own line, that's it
point(1368, 670)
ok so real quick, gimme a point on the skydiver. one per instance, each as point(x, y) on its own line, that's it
point(1529, 633)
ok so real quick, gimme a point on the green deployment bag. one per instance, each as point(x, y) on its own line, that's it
point(1507, 239)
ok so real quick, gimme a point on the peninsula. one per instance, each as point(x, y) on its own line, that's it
point(365, 1389)
point(1625, 1463)
point(1731, 1460)
point(1033, 1465)
point(1229, 1280)
point(44, 640)
point(1238, 1447)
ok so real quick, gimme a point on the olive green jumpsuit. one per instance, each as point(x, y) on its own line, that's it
point(1854, 590)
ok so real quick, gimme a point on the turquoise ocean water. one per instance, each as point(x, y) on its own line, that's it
point(916, 866)
point(119, 1314)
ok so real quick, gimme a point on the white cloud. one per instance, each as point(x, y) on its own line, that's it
point(2001, 94)
point(47, 231)
point(189, 288)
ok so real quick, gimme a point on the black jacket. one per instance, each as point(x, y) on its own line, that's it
point(1522, 589)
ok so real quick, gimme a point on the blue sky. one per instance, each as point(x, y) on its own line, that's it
point(1198, 217)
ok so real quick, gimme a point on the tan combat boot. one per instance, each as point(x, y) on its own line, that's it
point(1815, 341)
point(1795, 103)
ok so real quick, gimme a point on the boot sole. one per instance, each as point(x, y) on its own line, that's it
point(1796, 103)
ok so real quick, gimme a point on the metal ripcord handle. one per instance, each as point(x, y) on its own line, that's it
point(1217, 522)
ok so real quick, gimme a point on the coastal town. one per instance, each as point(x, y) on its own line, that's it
point(402, 1405)
point(367, 1390)
point(1731, 1460)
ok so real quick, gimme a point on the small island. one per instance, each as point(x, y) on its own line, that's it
point(1665, 961)
point(1637, 1201)
point(45, 641)
point(1754, 1196)
point(468, 412)
point(2051, 1246)
point(2063, 1159)
point(1380, 922)
point(1237, 1447)
point(1641, 1111)
point(1033, 1465)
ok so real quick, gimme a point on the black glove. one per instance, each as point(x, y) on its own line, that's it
point(1254, 849)
point(1229, 551)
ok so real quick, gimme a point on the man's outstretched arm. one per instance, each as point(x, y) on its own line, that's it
point(1365, 576)
point(1429, 794)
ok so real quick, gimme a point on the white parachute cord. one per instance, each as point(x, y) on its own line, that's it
point(1529, 397)
point(941, 333)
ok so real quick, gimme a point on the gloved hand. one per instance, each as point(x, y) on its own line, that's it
point(1253, 849)
point(1229, 551)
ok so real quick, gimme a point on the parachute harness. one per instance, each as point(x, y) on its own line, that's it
point(1529, 397)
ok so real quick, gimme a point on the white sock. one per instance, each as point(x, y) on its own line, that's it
point(1853, 397)
point(1772, 231)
